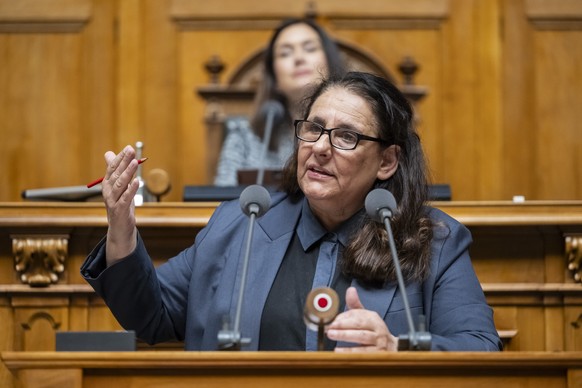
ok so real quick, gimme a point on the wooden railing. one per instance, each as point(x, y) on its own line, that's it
point(293, 369)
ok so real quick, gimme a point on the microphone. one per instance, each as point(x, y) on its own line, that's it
point(380, 205)
point(273, 111)
point(66, 193)
point(321, 308)
point(254, 202)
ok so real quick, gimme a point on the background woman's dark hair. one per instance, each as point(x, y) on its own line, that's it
point(367, 257)
point(268, 87)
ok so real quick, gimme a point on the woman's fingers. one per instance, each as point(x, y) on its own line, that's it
point(119, 188)
point(360, 326)
point(352, 299)
point(117, 183)
point(357, 336)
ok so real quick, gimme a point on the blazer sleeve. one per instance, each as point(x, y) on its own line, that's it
point(151, 302)
point(460, 318)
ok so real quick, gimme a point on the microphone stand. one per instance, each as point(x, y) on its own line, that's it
point(415, 340)
point(255, 201)
point(274, 112)
point(266, 141)
point(231, 339)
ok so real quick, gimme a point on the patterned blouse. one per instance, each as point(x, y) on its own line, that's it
point(242, 149)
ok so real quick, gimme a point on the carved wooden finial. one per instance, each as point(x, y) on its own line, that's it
point(408, 67)
point(214, 66)
point(311, 10)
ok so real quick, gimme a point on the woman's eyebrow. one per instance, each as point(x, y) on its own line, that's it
point(343, 125)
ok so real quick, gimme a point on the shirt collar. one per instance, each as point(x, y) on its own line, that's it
point(310, 231)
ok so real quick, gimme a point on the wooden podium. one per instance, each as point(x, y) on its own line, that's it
point(294, 369)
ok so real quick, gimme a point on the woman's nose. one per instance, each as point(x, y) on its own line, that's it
point(323, 144)
point(299, 56)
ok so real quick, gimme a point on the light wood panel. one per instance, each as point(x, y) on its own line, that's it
point(81, 77)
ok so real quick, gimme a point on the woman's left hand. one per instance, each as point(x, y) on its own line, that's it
point(361, 326)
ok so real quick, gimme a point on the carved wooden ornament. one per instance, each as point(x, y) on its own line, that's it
point(39, 259)
point(574, 255)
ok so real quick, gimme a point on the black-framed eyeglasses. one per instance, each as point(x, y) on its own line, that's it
point(340, 138)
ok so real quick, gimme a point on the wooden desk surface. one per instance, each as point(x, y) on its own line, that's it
point(304, 360)
point(197, 213)
point(291, 369)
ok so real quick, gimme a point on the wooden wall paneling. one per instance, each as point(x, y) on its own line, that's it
point(53, 377)
point(543, 40)
point(487, 100)
point(6, 260)
point(469, 107)
point(555, 339)
point(40, 16)
point(129, 60)
point(516, 258)
point(458, 110)
point(197, 47)
point(573, 327)
point(532, 333)
point(556, 266)
point(79, 247)
point(558, 80)
point(6, 338)
point(505, 318)
point(37, 321)
point(78, 312)
point(540, 314)
point(519, 145)
point(44, 94)
point(391, 45)
point(80, 77)
point(100, 317)
point(185, 10)
point(98, 125)
point(159, 104)
point(42, 112)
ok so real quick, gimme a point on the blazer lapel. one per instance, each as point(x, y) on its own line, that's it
point(272, 236)
point(374, 299)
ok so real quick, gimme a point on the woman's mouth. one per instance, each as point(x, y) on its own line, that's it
point(302, 73)
point(318, 172)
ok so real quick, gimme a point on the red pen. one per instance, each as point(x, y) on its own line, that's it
point(97, 181)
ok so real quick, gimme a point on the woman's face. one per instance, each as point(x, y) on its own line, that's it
point(336, 181)
point(299, 60)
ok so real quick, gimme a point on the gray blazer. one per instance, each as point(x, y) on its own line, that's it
point(187, 297)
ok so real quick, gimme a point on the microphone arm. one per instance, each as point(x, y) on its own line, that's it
point(273, 111)
point(415, 340)
point(380, 204)
point(266, 141)
point(255, 201)
point(231, 339)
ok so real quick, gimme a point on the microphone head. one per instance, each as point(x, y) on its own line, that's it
point(255, 199)
point(273, 108)
point(378, 201)
point(321, 307)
